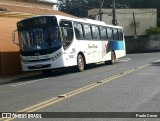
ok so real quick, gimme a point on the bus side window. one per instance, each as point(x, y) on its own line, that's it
point(103, 33)
point(110, 33)
point(116, 36)
point(95, 32)
point(87, 32)
point(67, 33)
point(78, 31)
point(120, 34)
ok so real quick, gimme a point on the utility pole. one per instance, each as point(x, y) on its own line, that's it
point(135, 27)
point(114, 20)
point(100, 9)
point(100, 14)
point(136, 24)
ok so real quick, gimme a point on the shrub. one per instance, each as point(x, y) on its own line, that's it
point(153, 30)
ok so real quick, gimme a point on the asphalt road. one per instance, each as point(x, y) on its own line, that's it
point(131, 85)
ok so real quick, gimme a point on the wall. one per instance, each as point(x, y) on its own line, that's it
point(145, 43)
point(146, 17)
point(140, 44)
point(154, 42)
point(9, 52)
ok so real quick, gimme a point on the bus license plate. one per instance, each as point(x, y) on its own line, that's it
point(38, 66)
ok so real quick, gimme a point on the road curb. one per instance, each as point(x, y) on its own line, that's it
point(11, 79)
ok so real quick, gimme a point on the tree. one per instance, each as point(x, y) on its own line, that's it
point(77, 7)
point(80, 7)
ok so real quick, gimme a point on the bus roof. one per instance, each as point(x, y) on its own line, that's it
point(86, 20)
point(83, 20)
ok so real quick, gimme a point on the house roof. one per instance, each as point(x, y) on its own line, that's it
point(31, 10)
point(48, 1)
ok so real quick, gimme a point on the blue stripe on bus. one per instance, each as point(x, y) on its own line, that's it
point(116, 45)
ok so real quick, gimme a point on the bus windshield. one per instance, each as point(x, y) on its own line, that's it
point(39, 33)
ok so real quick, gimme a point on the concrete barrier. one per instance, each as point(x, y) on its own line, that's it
point(144, 43)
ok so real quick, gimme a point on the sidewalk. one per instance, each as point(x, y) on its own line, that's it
point(10, 79)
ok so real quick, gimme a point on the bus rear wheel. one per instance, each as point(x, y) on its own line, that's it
point(80, 63)
point(113, 58)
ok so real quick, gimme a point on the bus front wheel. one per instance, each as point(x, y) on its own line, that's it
point(80, 63)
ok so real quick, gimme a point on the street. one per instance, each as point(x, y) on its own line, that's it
point(132, 84)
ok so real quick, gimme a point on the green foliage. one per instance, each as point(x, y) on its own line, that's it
point(136, 24)
point(78, 7)
point(141, 3)
point(153, 30)
point(138, 3)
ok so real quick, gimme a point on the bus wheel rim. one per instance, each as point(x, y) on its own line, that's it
point(113, 58)
point(80, 63)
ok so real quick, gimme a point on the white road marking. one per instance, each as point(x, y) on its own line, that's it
point(123, 60)
point(28, 82)
point(156, 61)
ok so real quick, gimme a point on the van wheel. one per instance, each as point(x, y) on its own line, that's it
point(80, 63)
point(113, 58)
point(47, 72)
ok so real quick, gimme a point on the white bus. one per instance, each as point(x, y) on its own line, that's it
point(50, 42)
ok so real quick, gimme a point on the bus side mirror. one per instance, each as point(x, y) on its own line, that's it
point(14, 36)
